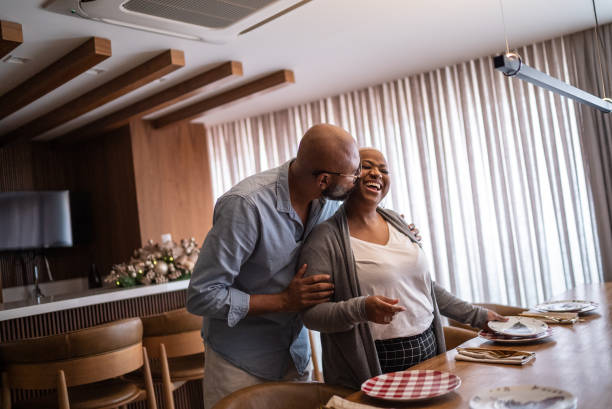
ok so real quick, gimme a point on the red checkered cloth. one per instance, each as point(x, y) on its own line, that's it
point(411, 385)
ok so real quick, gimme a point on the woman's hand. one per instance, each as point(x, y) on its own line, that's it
point(414, 231)
point(493, 316)
point(380, 309)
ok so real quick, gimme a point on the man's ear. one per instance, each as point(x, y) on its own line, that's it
point(323, 181)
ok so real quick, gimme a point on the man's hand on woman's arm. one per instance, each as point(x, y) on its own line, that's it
point(302, 292)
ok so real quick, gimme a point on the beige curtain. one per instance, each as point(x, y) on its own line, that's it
point(489, 168)
point(596, 130)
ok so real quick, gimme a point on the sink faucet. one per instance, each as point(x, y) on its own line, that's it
point(36, 293)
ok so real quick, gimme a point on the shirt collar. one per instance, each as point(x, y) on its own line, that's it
point(283, 198)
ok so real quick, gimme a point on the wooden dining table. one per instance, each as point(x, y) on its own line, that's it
point(577, 358)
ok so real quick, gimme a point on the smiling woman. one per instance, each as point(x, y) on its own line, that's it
point(385, 308)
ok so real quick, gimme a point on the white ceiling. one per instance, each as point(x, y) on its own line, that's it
point(333, 46)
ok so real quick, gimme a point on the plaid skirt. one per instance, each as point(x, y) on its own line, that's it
point(398, 354)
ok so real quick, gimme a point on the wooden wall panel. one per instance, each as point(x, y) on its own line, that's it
point(105, 170)
point(173, 180)
point(141, 183)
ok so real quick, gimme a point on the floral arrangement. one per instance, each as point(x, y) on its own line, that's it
point(156, 263)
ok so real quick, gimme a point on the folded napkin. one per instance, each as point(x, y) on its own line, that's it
point(552, 317)
point(336, 402)
point(494, 356)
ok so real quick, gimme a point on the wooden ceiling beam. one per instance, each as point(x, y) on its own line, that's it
point(77, 61)
point(143, 74)
point(155, 102)
point(11, 36)
point(250, 89)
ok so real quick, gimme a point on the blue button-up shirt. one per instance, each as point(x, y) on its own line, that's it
point(253, 248)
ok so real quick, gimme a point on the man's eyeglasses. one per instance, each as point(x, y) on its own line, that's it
point(355, 176)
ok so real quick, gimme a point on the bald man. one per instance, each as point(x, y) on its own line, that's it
point(245, 283)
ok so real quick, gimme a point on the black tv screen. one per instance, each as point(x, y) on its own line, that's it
point(33, 220)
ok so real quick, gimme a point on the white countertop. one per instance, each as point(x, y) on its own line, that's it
point(26, 308)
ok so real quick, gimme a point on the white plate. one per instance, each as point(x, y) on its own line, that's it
point(567, 306)
point(519, 326)
point(524, 397)
point(506, 339)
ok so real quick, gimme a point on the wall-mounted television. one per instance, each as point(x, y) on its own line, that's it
point(34, 220)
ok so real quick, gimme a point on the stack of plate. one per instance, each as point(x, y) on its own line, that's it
point(524, 397)
point(578, 306)
point(516, 330)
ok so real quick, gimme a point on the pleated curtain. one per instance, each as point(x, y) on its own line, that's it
point(489, 168)
point(594, 75)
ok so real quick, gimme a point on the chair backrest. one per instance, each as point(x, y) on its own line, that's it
point(453, 337)
point(178, 330)
point(282, 395)
point(85, 356)
point(503, 309)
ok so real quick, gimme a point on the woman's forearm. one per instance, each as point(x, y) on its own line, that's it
point(335, 316)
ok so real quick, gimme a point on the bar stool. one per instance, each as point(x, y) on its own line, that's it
point(175, 344)
point(81, 366)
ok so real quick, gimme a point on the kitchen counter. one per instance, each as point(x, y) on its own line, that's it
point(26, 308)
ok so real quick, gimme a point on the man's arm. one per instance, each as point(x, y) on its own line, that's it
point(228, 245)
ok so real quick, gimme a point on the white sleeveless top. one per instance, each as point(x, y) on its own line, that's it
point(398, 270)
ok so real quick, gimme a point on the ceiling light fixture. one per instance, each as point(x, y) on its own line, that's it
point(95, 71)
point(511, 65)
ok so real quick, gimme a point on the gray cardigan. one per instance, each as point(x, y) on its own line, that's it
point(349, 354)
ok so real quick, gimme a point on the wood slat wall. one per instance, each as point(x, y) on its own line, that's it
point(188, 396)
point(28, 166)
point(104, 170)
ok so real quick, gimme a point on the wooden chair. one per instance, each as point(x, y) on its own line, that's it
point(81, 366)
point(498, 308)
point(454, 337)
point(176, 348)
point(282, 395)
point(318, 374)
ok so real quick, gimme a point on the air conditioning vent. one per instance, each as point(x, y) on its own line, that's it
point(215, 21)
point(213, 14)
